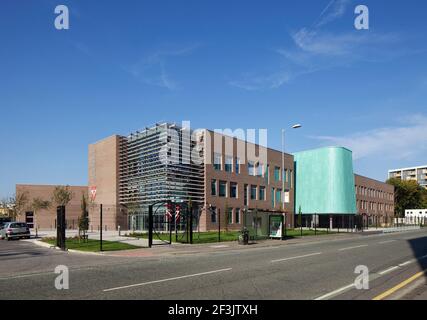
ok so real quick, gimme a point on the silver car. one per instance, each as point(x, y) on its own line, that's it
point(11, 230)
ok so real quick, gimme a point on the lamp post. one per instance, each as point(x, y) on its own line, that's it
point(295, 126)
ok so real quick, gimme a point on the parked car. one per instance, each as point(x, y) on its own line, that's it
point(3, 221)
point(11, 230)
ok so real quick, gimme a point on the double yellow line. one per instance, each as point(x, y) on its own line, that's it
point(399, 286)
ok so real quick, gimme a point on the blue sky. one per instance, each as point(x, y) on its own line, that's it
point(123, 65)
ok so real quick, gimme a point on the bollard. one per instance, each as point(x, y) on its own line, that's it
point(119, 230)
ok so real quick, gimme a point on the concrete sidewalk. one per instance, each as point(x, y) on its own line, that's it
point(106, 235)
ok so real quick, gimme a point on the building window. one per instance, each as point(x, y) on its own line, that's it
point(261, 193)
point(237, 168)
point(253, 192)
point(259, 168)
point(230, 215)
point(278, 196)
point(245, 195)
point(251, 168)
point(291, 178)
point(217, 161)
point(29, 219)
point(233, 190)
point(237, 216)
point(276, 174)
point(272, 198)
point(213, 214)
point(222, 189)
point(213, 187)
point(228, 164)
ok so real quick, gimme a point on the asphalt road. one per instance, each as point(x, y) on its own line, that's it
point(324, 269)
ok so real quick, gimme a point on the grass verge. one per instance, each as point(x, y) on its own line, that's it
point(212, 237)
point(92, 245)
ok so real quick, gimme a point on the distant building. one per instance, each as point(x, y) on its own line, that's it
point(418, 174)
point(5, 212)
point(416, 216)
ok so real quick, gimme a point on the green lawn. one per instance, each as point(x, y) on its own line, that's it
point(212, 237)
point(92, 245)
point(203, 237)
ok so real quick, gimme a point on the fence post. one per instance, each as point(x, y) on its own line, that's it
point(100, 223)
point(150, 226)
point(219, 224)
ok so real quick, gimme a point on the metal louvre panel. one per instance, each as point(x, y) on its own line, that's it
point(148, 173)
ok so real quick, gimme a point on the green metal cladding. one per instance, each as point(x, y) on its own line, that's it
point(324, 181)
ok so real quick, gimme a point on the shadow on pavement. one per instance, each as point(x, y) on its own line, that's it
point(419, 248)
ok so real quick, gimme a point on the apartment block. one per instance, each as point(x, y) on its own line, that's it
point(418, 174)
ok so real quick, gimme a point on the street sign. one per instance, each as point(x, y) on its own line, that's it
point(177, 213)
point(168, 212)
point(92, 191)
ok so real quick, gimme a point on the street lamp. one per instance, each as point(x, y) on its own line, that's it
point(295, 126)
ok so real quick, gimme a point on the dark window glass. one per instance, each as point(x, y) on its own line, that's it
point(253, 192)
point(233, 190)
point(222, 189)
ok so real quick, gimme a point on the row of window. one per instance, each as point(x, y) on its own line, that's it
point(254, 169)
point(373, 206)
point(373, 193)
point(230, 190)
point(231, 165)
point(233, 215)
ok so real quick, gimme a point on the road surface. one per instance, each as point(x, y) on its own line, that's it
point(314, 270)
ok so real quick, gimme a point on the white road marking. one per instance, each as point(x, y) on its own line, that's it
point(165, 280)
point(388, 270)
point(350, 286)
point(297, 257)
point(406, 263)
point(388, 241)
point(350, 248)
point(336, 292)
point(220, 246)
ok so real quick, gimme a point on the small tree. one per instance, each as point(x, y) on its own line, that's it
point(18, 203)
point(39, 204)
point(227, 209)
point(62, 195)
point(84, 218)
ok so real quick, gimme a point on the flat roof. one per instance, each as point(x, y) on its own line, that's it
point(409, 168)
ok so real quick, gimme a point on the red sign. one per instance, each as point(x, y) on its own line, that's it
point(177, 213)
point(92, 191)
point(168, 212)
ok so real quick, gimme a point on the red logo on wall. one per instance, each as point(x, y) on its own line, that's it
point(92, 191)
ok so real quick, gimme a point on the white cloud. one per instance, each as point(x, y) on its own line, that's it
point(407, 141)
point(315, 49)
point(334, 10)
point(152, 69)
point(271, 81)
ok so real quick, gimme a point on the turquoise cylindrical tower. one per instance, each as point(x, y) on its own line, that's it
point(324, 181)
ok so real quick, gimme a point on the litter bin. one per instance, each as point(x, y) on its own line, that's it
point(244, 237)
